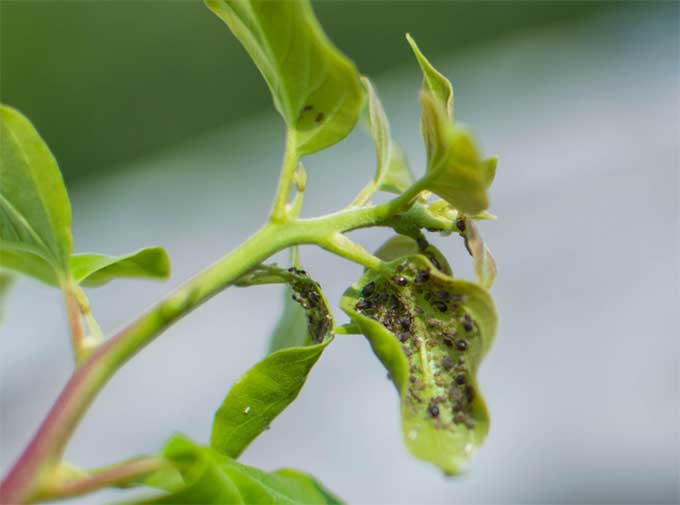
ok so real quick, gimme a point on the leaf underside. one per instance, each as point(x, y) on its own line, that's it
point(431, 332)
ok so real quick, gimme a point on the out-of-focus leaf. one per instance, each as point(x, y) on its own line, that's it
point(212, 478)
point(431, 332)
point(484, 263)
point(433, 80)
point(6, 280)
point(392, 172)
point(265, 390)
point(98, 269)
point(35, 213)
point(455, 171)
point(401, 245)
point(315, 87)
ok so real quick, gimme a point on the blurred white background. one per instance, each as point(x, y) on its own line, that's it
point(582, 383)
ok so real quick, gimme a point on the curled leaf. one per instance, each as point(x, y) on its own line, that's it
point(484, 262)
point(212, 478)
point(265, 390)
point(431, 332)
point(392, 173)
point(314, 86)
point(98, 269)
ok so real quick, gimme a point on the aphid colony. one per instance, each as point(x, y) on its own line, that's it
point(307, 293)
point(436, 335)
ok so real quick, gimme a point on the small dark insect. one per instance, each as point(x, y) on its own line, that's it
point(314, 297)
point(456, 298)
point(412, 379)
point(447, 363)
point(459, 418)
point(423, 276)
point(368, 289)
point(448, 340)
point(434, 261)
point(467, 323)
point(399, 268)
point(406, 350)
point(442, 294)
point(405, 321)
point(440, 306)
point(404, 336)
point(433, 410)
point(461, 345)
point(400, 280)
point(307, 107)
point(460, 379)
point(469, 393)
point(460, 224)
point(422, 243)
point(319, 117)
point(363, 305)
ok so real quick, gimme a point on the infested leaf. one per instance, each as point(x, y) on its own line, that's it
point(265, 390)
point(212, 478)
point(392, 172)
point(98, 269)
point(484, 262)
point(431, 332)
point(291, 329)
point(314, 86)
point(35, 213)
point(402, 245)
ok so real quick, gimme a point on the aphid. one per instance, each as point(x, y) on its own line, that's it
point(406, 350)
point(319, 117)
point(456, 298)
point(399, 268)
point(467, 323)
point(404, 336)
point(459, 418)
point(422, 276)
point(314, 297)
point(469, 393)
point(447, 339)
point(440, 306)
point(447, 364)
point(433, 410)
point(434, 261)
point(460, 379)
point(461, 345)
point(368, 289)
point(400, 280)
point(405, 321)
point(460, 224)
point(307, 107)
point(363, 305)
point(412, 379)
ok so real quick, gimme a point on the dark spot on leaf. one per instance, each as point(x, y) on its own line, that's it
point(307, 108)
point(319, 117)
point(461, 345)
point(433, 409)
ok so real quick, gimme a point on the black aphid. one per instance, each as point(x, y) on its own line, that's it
point(460, 224)
point(433, 410)
point(442, 294)
point(319, 117)
point(307, 107)
point(423, 276)
point(314, 297)
point(434, 261)
point(363, 305)
point(467, 323)
point(440, 306)
point(448, 339)
point(460, 379)
point(404, 336)
point(368, 289)
point(461, 345)
point(447, 363)
point(400, 280)
point(412, 379)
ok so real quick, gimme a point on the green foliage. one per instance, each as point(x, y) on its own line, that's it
point(265, 390)
point(315, 87)
point(433, 81)
point(212, 478)
point(431, 332)
point(35, 217)
point(392, 173)
point(35, 214)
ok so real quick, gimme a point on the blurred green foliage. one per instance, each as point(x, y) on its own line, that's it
point(107, 82)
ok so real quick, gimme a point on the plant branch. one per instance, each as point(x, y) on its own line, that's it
point(75, 323)
point(115, 475)
point(290, 160)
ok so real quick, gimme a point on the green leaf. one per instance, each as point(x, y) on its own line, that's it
point(6, 280)
point(392, 172)
point(35, 214)
point(402, 245)
point(484, 262)
point(430, 331)
point(433, 80)
point(265, 390)
point(212, 478)
point(314, 86)
point(98, 269)
point(455, 171)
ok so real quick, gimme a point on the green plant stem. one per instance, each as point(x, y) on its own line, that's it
point(290, 160)
point(339, 244)
point(74, 321)
point(47, 446)
point(115, 475)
